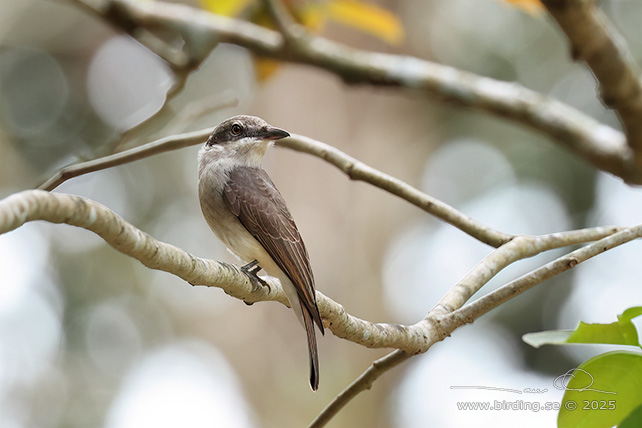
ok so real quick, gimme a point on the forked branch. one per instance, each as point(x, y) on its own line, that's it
point(599, 144)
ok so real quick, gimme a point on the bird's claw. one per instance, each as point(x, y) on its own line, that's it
point(251, 270)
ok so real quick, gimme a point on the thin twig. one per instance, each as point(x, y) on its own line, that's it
point(521, 247)
point(595, 40)
point(162, 145)
point(182, 63)
point(284, 22)
point(358, 170)
point(360, 384)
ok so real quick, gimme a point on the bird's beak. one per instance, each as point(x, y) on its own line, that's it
point(271, 133)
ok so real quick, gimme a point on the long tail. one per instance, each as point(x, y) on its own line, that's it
point(312, 348)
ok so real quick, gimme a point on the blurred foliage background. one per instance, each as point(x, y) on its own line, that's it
point(89, 337)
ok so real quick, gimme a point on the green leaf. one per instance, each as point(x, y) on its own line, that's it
point(634, 420)
point(602, 391)
point(621, 332)
point(551, 337)
point(616, 333)
point(630, 313)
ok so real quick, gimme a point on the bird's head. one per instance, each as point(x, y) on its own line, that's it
point(242, 138)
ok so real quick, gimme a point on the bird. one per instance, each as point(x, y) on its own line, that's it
point(248, 214)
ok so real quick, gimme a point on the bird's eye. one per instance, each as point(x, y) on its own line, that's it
point(237, 129)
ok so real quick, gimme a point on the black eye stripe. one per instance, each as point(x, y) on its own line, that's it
point(240, 127)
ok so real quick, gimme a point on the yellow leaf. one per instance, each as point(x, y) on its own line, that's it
point(224, 7)
point(534, 7)
point(368, 18)
point(312, 16)
point(265, 68)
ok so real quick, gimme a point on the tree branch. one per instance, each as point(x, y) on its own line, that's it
point(594, 40)
point(599, 144)
point(521, 247)
point(31, 205)
point(479, 307)
point(440, 322)
point(449, 314)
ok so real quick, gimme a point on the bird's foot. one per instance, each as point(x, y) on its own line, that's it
point(251, 270)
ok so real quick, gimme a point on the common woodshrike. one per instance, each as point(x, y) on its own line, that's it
point(246, 211)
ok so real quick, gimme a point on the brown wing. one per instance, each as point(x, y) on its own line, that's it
point(255, 200)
